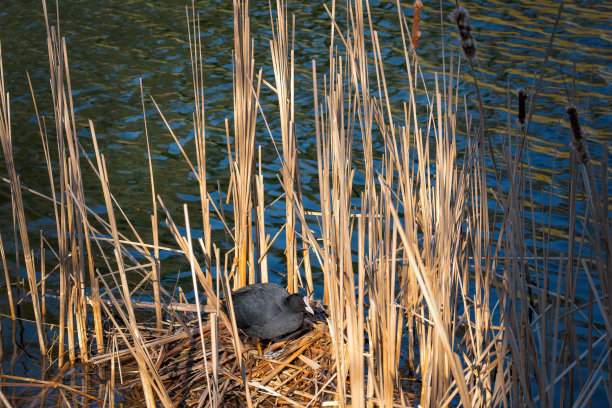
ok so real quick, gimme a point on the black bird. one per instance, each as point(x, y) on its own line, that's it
point(267, 310)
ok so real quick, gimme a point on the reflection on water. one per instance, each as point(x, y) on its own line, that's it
point(114, 44)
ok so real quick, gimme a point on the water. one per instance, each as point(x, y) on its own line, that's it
point(114, 44)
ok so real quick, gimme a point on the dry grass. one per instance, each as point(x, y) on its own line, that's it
point(425, 268)
point(299, 372)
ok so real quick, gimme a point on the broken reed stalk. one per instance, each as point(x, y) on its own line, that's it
point(283, 66)
point(438, 234)
point(60, 211)
point(199, 124)
point(262, 240)
point(156, 272)
point(197, 297)
point(238, 347)
point(75, 250)
point(384, 325)
point(79, 232)
point(243, 164)
point(335, 214)
point(183, 244)
point(130, 319)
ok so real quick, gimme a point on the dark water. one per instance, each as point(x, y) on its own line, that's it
point(113, 44)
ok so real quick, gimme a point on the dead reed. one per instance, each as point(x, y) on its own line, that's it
point(418, 276)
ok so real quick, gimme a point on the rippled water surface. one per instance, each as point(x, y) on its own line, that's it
point(113, 44)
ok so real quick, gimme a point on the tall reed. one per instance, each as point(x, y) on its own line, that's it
point(283, 64)
point(242, 161)
point(426, 266)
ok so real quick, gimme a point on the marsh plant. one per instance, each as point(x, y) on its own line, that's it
point(436, 288)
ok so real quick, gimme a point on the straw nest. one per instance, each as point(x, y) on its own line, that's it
point(295, 371)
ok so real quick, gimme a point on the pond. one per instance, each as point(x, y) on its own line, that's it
point(113, 45)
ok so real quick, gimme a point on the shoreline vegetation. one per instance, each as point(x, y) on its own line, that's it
point(437, 290)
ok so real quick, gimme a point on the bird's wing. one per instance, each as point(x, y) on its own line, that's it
point(253, 311)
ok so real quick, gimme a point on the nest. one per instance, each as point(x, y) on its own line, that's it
point(294, 371)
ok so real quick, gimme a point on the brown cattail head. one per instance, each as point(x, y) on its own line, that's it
point(522, 94)
point(578, 143)
point(461, 17)
point(415, 26)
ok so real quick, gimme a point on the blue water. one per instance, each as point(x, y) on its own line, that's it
point(114, 44)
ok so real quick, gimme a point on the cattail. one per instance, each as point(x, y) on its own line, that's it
point(461, 17)
point(416, 34)
point(522, 94)
point(578, 142)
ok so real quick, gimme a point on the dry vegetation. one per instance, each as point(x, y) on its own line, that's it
point(430, 274)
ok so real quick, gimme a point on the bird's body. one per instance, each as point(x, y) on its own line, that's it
point(267, 310)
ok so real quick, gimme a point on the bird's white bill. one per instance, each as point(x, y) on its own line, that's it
point(307, 303)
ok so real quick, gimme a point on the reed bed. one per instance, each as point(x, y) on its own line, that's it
point(296, 372)
point(431, 293)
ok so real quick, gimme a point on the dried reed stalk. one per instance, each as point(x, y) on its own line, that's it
point(283, 65)
point(429, 260)
point(199, 123)
point(243, 163)
point(149, 378)
point(156, 272)
point(261, 224)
